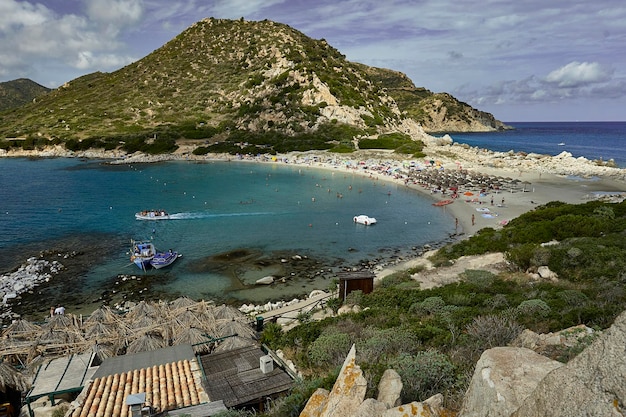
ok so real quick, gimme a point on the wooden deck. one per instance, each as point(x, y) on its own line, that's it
point(292, 310)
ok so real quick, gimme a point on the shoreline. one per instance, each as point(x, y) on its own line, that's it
point(538, 182)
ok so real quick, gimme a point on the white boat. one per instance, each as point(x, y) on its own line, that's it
point(152, 215)
point(561, 144)
point(163, 259)
point(142, 253)
point(363, 219)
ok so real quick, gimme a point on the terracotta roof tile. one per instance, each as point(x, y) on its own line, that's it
point(167, 387)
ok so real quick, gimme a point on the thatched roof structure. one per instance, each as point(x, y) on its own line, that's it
point(182, 302)
point(11, 377)
point(147, 342)
point(21, 330)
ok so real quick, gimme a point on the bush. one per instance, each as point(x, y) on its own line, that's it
point(330, 349)
point(423, 374)
point(430, 305)
point(493, 330)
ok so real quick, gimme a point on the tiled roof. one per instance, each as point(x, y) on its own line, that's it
point(167, 387)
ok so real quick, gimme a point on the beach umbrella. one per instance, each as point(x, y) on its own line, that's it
point(21, 329)
point(11, 377)
point(146, 342)
point(182, 302)
point(102, 314)
point(193, 336)
point(100, 330)
point(143, 309)
point(234, 342)
point(232, 327)
point(105, 350)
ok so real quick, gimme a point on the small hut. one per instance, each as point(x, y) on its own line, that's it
point(353, 281)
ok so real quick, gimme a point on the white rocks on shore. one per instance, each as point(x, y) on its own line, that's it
point(30, 274)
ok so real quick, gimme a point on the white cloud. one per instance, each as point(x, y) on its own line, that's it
point(115, 12)
point(15, 14)
point(577, 74)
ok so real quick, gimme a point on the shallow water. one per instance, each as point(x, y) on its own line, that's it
point(275, 211)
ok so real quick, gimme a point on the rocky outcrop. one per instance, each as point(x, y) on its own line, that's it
point(347, 398)
point(390, 388)
point(594, 381)
point(503, 378)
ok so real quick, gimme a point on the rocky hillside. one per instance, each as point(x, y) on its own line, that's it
point(436, 112)
point(219, 77)
point(19, 92)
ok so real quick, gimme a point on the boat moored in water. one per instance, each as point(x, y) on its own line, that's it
point(142, 253)
point(152, 215)
point(163, 259)
point(363, 219)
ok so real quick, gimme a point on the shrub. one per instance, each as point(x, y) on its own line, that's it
point(330, 349)
point(271, 335)
point(423, 374)
point(430, 305)
point(493, 330)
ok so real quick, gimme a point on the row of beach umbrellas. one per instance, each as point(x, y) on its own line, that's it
point(145, 327)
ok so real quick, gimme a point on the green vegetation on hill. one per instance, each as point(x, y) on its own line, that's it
point(236, 84)
point(434, 337)
point(18, 92)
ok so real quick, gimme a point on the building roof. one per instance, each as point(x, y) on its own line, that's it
point(236, 378)
point(125, 363)
point(65, 374)
point(167, 387)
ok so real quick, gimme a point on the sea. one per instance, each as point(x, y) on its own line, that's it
point(235, 222)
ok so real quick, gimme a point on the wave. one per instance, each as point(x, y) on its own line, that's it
point(200, 215)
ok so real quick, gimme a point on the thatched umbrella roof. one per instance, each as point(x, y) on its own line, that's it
point(143, 309)
point(231, 327)
point(21, 329)
point(234, 342)
point(60, 321)
point(103, 330)
point(11, 377)
point(105, 350)
point(103, 314)
point(182, 302)
point(192, 336)
point(225, 312)
point(147, 342)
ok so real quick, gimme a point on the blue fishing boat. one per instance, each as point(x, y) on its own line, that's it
point(163, 259)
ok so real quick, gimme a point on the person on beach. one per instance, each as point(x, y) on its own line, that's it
point(456, 224)
point(473, 218)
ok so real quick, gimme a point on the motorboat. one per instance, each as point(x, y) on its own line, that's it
point(142, 253)
point(363, 219)
point(163, 259)
point(152, 215)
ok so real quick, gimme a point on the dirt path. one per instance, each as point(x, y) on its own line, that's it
point(432, 277)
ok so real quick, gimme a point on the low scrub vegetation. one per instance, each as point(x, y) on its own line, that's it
point(434, 337)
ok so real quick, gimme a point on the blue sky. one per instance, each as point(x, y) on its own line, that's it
point(522, 60)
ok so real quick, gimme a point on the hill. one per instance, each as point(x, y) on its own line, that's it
point(19, 92)
point(241, 82)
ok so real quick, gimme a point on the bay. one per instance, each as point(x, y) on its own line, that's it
point(257, 216)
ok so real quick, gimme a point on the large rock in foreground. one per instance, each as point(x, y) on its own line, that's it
point(503, 378)
point(592, 384)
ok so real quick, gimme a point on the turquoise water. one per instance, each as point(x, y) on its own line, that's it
point(273, 210)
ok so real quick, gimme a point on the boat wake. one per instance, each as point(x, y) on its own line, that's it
point(199, 215)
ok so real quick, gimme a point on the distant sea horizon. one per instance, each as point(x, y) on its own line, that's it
point(592, 140)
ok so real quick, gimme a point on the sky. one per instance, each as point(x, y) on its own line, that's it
point(521, 60)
